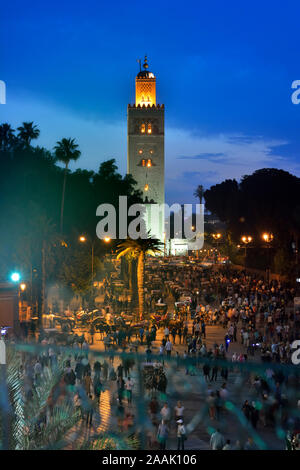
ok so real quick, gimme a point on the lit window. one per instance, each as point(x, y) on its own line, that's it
point(146, 187)
point(151, 151)
point(149, 162)
point(143, 128)
point(149, 130)
point(143, 162)
point(140, 151)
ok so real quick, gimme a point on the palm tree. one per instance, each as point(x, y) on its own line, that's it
point(28, 132)
point(199, 193)
point(7, 137)
point(65, 151)
point(140, 248)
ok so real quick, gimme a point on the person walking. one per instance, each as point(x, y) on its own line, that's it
point(120, 387)
point(214, 374)
point(129, 387)
point(97, 387)
point(181, 435)
point(89, 411)
point(162, 434)
point(178, 410)
point(87, 383)
point(166, 413)
point(161, 353)
point(168, 348)
point(217, 441)
point(206, 370)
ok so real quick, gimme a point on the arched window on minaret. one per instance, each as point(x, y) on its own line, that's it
point(147, 163)
point(143, 128)
point(149, 128)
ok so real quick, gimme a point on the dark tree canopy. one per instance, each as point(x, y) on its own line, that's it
point(31, 184)
point(267, 200)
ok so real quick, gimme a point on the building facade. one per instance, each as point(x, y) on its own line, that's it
point(145, 148)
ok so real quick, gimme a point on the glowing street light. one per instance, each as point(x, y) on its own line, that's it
point(267, 237)
point(23, 286)
point(15, 277)
point(106, 239)
point(217, 236)
point(246, 239)
point(84, 239)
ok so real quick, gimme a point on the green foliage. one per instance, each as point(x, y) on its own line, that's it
point(112, 442)
point(30, 426)
point(31, 184)
point(75, 270)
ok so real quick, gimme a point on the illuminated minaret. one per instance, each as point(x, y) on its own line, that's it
point(145, 144)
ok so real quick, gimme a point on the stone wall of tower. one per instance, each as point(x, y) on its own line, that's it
point(146, 146)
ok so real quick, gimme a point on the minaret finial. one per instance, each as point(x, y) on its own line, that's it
point(140, 62)
point(145, 65)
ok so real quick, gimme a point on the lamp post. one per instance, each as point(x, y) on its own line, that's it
point(268, 238)
point(217, 237)
point(246, 239)
point(84, 239)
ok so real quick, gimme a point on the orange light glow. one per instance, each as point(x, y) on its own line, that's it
point(267, 237)
point(146, 187)
point(246, 239)
point(145, 91)
point(82, 238)
point(107, 239)
point(217, 236)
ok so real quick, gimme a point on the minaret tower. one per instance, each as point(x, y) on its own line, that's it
point(145, 145)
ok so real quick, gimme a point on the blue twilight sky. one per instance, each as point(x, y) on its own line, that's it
point(224, 72)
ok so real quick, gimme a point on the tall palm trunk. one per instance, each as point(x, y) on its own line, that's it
point(140, 279)
point(63, 199)
point(130, 277)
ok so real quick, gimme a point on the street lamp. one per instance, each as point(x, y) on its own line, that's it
point(268, 238)
point(246, 239)
point(217, 237)
point(84, 239)
point(15, 277)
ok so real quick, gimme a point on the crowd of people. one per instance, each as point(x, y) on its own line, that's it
point(258, 324)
